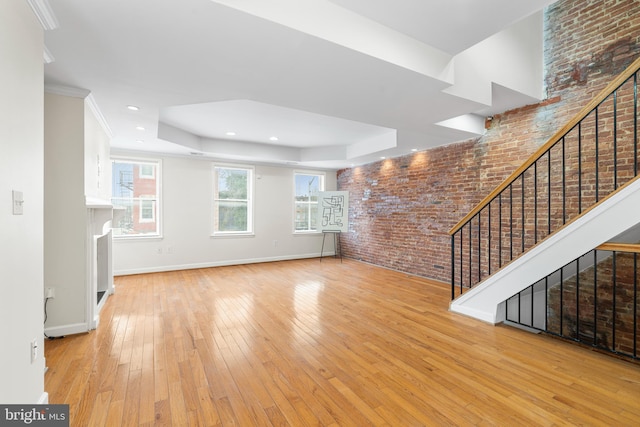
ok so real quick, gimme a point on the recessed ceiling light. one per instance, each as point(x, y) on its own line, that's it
point(140, 141)
point(133, 107)
point(139, 127)
point(382, 157)
point(231, 134)
point(273, 138)
point(413, 150)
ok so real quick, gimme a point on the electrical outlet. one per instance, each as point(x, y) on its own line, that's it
point(50, 293)
point(169, 249)
point(159, 251)
point(275, 243)
point(34, 350)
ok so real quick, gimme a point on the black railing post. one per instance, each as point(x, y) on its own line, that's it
point(461, 257)
point(533, 288)
point(580, 168)
point(479, 246)
point(489, 237)
point(470, 252)
point(510, 222)
point(613, 322)
point(578, 299)
point(635, 305)
point(500, 230)
point(595, 298)
point(597, 159)
point(564, 184)
point(615, 140)
point(635, 124)
point(561, 300)
point(522, 207)
point(535, 203)
point(453, 266)
point(549, 192)
point(546, 303)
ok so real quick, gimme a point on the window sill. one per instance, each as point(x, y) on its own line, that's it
point(124, 238)
point(306, 233)
point(231, 235)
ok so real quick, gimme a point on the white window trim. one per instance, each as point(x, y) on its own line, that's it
point(158, 200)
point(293, 197)
point(250, 200)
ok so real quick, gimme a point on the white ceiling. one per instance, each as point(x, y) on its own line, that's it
point(338, 82)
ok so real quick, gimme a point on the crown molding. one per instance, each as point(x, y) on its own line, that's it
point(44, 13)
point(74, 92)
point(48, 57)
point(91, 102)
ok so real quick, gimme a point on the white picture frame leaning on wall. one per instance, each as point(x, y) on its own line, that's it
point(333, 211)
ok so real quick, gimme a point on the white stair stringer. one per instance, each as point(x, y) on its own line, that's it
point(610, 218)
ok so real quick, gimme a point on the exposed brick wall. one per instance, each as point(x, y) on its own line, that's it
point(402, 209)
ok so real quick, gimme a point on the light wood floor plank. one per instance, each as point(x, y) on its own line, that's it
point(304, 343)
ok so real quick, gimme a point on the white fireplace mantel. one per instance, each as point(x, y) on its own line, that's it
point(99, 268)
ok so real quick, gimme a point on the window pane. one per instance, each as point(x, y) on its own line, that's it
point(307, 189)
point(232, 216)
point(232, 184)
point(135, 190)
point(306, 216)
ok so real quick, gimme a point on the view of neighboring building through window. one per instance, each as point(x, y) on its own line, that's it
point(136, 190)
point(233, 200)
point(307, 187)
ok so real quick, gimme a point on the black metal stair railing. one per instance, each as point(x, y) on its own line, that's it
point(593, 300)
point(583, 163)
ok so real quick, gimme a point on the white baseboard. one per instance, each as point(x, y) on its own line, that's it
point(162, 268)
point(58, 331)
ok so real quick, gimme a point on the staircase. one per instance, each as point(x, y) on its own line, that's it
point(577, 192)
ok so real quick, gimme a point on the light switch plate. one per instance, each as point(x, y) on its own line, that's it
point(18, 201)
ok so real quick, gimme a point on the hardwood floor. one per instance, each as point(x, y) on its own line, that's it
point(334, 344)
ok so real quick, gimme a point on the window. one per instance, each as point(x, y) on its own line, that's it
point(136, 192)
point(232, 200)
point(307, 187)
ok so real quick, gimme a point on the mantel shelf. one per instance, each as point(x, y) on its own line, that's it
point(96, 203)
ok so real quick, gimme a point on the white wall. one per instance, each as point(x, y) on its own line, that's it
point(21, 168)
point(187, 243)
point(511, 58)
point(65, 214)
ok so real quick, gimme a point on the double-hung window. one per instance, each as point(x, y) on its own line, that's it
point(307, 187)
point(136, 197)
point(232, 200)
